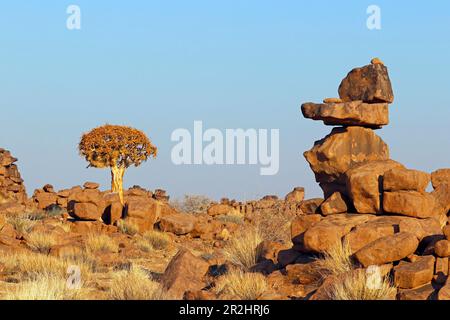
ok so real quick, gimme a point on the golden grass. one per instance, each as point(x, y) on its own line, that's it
point(41, 242)
point(135, 284)
point(96, 243)
point(29, 265)
point(22, 223)
point(242, 250)
point(337, 260)
point(43, 287)
point(245, 286)
point(153, 240)
point(127, 227)
point(357, 285)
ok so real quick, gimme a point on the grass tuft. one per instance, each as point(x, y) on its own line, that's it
point(245, 286)
point(243, 250)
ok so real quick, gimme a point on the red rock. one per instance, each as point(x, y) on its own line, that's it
point(311, 206)
point(302, 223)
point(370, 84)
point(354, 113)
point(185, 272)
point(364, 183)
point(341, 150)
point(296, 195)
point(91, 185)
point(439, 177)
point(442, 248)
point(87, 211)
point(387, 249)
point(416, 274)
point(410, 203)
point(426, 292)
point(441, 270)
point(143, 212)
point(220, 209)
point(178, 223)
point(403, 179)
point(442, 195)
point(444, 292)
point(326, 233)
point(333, 205)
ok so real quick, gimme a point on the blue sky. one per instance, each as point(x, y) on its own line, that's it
point(160, 65)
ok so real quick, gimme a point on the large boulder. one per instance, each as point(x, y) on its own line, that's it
point(439, 177)
point(185, 272)
point(399, 179)
point(411, 203)
point(143, 212)
point(442, 195)
point(354, 113)
point(409, 275)
point(323, 235)
point(364, 184)
point(370, 84)
point(334, 204)
point(177, 223)
point(342, 150)
point(297, 195)
point(388, 249)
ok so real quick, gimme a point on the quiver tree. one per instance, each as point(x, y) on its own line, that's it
point(116, 147)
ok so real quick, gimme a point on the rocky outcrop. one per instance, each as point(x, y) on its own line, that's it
point(12, 188)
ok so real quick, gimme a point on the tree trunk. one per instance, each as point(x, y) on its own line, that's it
point(117, 181)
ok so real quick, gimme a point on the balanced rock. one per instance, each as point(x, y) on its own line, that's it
point(439, 177)
point(410, 203)
point(399, 179)
point(388, 249)
point(12, 188)
point(354, 113)
point(343, 149)
point(412, 275)
point(370, 84)
point(364, 182)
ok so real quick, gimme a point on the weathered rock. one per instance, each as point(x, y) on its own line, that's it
point(341, 150)
point(185, 272)
point(220, 209)
point(354, 113)
point(412, 275)
point(370, 231)
point(333, 205)
point(388, 249)
point(421, 228)
point(442, 195)
point(302, 223)
point(177, 223)
point(296, 195)
point(91, 185)
point(444, 292)
point(143, 212)
point(87, 211)
point(426, 292)
point(410, 203)
point(399, 179)
point(311, 206)
point(439, 177)
point(442, 248)
point(113, 208)
point(441, 270)
point(364, 184)
point(370, 84)
point(45, 199)
point(329, 231)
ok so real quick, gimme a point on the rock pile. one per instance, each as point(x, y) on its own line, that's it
point(375, 204)
point(12, 189)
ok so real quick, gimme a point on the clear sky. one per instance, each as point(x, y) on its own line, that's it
point(160, 65)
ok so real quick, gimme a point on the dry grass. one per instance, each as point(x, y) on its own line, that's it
point(275, 226)
point(41, 242)
point(22, 223)
point(29, 265)
point(357, 285)
point(127, 227)
point(337, 260)
point(100, 243)
point(243, 250)
point(231, 218)
point(242, 285)
point(43, 287)
point(153, 240)
point(135, 284)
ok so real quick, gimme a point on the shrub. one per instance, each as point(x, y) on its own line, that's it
point(41, 242)
point(245, 286)
point(354, 286)
point(242, 250)
point(22, 223)
point(194, 204)
point(135, 284)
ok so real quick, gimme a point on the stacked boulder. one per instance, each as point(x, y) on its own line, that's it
point(11, 183)
point(375, 204)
